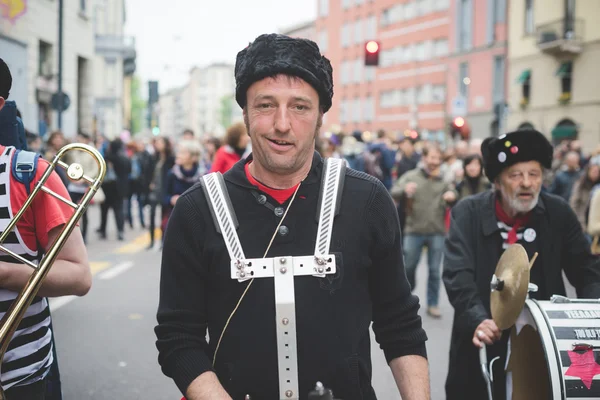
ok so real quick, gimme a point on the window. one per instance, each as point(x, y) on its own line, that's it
point(565, 72)
point(371, 28)
point(45, 59)
point(346, 4)
point(465, 24)
point(440, 48)
point(438, 94)
point(369, 109)
point(82, 4)
point(356, 110)
point(499, 11)
point(358, 32)
point(370, 74)
point(425, 94)
point(345, 75)
point(424, 7)
point(441, 5)
point(346, 35)
point(499, 70)
point(358, 2)
point(569, 18)
point(323, 8)
point(358, 69)
point(323, 40)
point(463, 74)
point(529, 26)
point(343, 111)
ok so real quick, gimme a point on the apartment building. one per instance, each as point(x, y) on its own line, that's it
point(477, 64)
point(114, 64)
point(29, 45)
point(553, 57)
point(408, 88)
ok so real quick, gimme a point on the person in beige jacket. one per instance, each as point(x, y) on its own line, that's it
point(426, 195)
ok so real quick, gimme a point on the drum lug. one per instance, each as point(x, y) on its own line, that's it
point(559, 299)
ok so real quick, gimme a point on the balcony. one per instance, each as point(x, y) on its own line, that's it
point(116, 46)
point(561, 38)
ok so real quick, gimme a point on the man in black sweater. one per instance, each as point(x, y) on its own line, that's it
point(284, 87)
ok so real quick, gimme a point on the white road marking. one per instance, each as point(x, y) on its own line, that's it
point(116, 270)
point(57, 302)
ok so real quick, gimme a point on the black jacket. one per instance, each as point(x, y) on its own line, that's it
point(333, 314)
point(472, 250)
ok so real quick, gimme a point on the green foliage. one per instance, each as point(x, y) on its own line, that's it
point(138, 106)
point(226, 111)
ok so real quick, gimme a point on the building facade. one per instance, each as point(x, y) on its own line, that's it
point(477, 64)
point(553, 56)
point(29, 45)
point(305, 30)
point(114, 64)
point(408, 88)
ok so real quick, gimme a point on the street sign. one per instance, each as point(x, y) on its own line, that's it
point(60, 101)
point(459, 106)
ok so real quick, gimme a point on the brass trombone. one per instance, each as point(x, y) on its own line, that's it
point(75, 172)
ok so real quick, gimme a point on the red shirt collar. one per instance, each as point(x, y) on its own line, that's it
point(281, 195)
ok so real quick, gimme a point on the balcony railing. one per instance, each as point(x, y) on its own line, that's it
point(562, 37)
point(116, 46)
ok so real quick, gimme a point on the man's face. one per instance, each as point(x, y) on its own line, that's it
point(520, 186)
point(283, 119)
point(433, 159)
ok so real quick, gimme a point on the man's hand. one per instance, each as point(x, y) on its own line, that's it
point(206, 387)
point(449, 196)
point(487, 332)
point(410, 189)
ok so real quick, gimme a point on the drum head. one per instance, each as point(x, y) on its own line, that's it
point(528, 366)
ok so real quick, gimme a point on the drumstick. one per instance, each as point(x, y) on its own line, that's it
point(533, 260)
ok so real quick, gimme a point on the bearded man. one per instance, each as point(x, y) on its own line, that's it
point(284, 87)
point(481, 227)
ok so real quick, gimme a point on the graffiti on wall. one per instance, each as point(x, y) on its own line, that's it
point(12, 9)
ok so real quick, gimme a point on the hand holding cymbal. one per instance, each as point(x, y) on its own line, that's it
point(510, 285)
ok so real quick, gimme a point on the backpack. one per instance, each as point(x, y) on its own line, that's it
point(24, 167)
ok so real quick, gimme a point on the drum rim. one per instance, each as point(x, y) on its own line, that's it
point(555, 368)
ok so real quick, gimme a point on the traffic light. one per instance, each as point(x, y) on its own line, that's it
point(459, 128)
point(372, 53)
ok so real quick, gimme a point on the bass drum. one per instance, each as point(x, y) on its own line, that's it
point(542, 359)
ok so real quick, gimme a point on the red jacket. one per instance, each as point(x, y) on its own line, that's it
point(225, 158)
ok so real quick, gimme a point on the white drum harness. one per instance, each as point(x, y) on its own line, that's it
point(283, 268)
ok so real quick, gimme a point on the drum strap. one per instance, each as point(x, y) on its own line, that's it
point(282, 269)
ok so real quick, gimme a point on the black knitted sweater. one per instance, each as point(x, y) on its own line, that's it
point(333, 314)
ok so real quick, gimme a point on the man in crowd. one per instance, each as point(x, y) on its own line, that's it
point(284, 87)
point(481, 227)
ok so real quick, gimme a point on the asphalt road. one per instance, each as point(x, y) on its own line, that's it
point(105, 340)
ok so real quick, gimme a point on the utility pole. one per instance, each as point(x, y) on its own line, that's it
point(60, 62)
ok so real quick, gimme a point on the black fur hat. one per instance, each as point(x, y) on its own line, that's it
point(515, 147)
point(273, 54)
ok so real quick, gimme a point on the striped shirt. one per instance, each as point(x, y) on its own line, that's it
point(29, 354)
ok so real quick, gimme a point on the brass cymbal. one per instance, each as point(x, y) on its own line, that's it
point(509, 286)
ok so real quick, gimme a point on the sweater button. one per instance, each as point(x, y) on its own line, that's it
point(262, 199)
point(284, 230)
point(278, 211)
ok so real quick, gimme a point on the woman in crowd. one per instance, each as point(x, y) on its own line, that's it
point(163, 163)
point(582, 189)
point(184, 174)
point(473, 180)
point(236, 147)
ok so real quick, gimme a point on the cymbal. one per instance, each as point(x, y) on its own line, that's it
point(509, 286)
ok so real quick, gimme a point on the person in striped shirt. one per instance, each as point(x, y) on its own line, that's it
point(29, 356)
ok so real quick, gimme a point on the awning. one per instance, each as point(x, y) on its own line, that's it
point(565, 69)
point(564, 132)
point(524, 77)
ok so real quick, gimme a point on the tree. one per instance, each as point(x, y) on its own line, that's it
point(138, 106)
point(226, 111)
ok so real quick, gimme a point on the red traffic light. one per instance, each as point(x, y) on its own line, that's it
point(372, 47)
point(372, 53)
point(459, 122)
